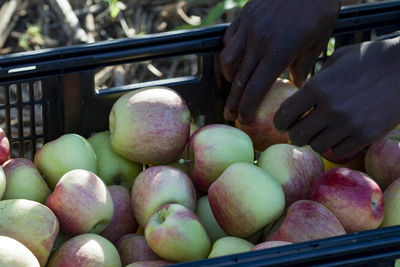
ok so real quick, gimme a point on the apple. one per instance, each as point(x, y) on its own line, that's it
point(213, 148)
point(307, 220)
point(270, 244)
point(330, 156)
point(157, 186)
point(176, 234)
point(15, 254)
point(354, 198)
point(66, 153)
point(150, 125)
point(123, 222)
point(295, 168)
point(382, 159)
point(261, 129)
point(4, 147)
point(133, 247)
point(155, 263)
point(31, 223)
point(24, 181)
point(391, 196)
point(245, 198)
point(207, 218)
point(86, 250)
point(228, 245)
point(112, 168)
point(81, 202)
point(3, 181)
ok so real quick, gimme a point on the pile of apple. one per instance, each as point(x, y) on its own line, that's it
point(155, 189)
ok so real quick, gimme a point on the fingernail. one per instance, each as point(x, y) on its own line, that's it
point(228, 115)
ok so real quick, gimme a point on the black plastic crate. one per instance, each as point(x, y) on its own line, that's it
point(55, 93)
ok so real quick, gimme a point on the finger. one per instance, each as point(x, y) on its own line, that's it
point(231, 55)
point(349, 145)
point(302, 131)
point(274, 62)
point(292, 109)
point(231, 31)
point(247, 67)
point(337, 54)
point(327, 139)
point(303, 64)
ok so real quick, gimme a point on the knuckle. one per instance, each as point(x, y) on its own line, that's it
point(240, 81)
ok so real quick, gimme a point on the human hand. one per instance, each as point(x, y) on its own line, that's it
point(264, 39)
point(352, 101)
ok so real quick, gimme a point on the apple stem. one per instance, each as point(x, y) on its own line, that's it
point(185, 161)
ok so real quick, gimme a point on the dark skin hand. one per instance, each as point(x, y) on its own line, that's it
point(352, 101)
point(264, 39)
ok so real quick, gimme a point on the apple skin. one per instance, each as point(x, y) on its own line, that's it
point(207, 218)
point(86, 250)
point(270, 244)
point(133, 247)
point(24, 181)
point(176, 234)
point(150, 126)
point(261, 129)
point(81, 202)
point(157, 186)
point(3, 181)
point(354, 198)
point(112, 168)
point(330, 156)
point(155, 263)
point(391, 197)
point(15, 254)
point(382, 159)
point(123, 222)
point(307, 220)
point(295, 168)
point(66, 153)
point(4, 147)
point(31, 223)
point(213, 148)
point(229, 245)
point(245, 198)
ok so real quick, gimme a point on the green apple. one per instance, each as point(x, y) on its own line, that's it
point(157, 186)
point(391, 197)
point(82, 203)
point(31, 223)
point(150, 125)
point(112, 168)
point(207, 218)
point(2, 182)
point(245, 198)
point(213, 148)
point(15, 254)
point(24, 181)
point(175, 233)
point(230, 245)
point(86, 250)
point(295, 168)
point(66, 153)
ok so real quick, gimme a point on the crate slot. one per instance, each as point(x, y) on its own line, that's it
point(37, 90)
point(146, 71)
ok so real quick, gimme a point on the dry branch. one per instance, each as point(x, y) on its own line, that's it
point(6, 22)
